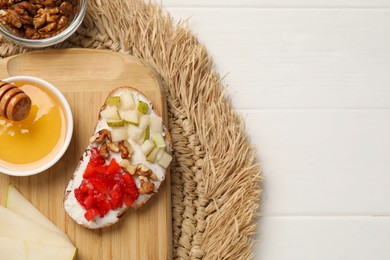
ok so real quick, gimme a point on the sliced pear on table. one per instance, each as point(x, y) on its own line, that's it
point(12, 248)
point(21, 206)
point(15, 226)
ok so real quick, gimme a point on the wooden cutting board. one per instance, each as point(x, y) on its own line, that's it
point(85, 77)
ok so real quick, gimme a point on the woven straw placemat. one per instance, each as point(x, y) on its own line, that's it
point(215, 177)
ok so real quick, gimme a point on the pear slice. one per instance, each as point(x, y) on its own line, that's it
point(127, 100)
point(15, 226)
point(143, 107)
point(155, 125)
point(110, 113)
point(153, 155)
point(118, 134)
point(134, 132)
point(115, 122)
point(147, 147)
point(144, 122)
point(158, 139)
point(130, 116)
point(11, 248)
point(21, 206)
point(113, 101)
point(165, 160)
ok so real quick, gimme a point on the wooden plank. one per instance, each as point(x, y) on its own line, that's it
point(301, 58)
point(323, 162)
point(86, 77)
point(358, 238)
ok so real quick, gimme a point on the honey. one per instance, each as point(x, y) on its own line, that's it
point(34, 139)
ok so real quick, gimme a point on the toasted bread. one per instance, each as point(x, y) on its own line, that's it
point(138, 157)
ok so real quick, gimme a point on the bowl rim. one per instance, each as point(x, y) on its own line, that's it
point(69, 130)
point(62, 36)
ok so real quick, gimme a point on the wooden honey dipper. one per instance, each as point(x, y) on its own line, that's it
point(14, 103)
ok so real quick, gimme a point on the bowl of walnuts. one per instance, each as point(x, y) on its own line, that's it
point(40, 23)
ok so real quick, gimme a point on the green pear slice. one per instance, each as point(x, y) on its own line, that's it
point(165, 160)
point(21, 206)
point(147, 147)
point(158, 139)
point(152, 155)
point(16, 249)
point(143, 107)
point(115, 123)
point(15, 226)
point(113, 101)
point(130, 116)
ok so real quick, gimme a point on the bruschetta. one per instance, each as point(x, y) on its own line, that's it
point(124, 164)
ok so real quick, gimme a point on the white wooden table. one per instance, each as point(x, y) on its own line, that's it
point(312, 78)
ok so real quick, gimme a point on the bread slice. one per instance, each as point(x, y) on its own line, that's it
point(138, 157)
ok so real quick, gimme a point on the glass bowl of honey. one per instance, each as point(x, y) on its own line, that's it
point(35, 143)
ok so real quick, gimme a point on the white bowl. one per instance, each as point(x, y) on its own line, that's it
point(69, 129)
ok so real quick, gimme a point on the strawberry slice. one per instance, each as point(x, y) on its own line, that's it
point(128, 200)
point(98, 185)
point(89, 202)
point(113, 167)
point(130, 188)
point(96, 159)
point(89, 171)
point(104, 207)
point(80, 196)
point(91, 214)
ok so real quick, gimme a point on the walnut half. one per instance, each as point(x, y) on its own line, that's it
point(146, 186)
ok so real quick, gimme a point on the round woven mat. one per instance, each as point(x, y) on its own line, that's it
point(215, 177)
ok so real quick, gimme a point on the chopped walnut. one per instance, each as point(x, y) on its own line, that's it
point(146, 186)
point(39, 21)
point(62, 22)
point(93, 138)
point(125, 148)
point(48, 28)
point(66, 8)
point(143, 170)
point(153, 177)
point(104, 151)
point(128, 166)
point(103, 134)
point(32, 33)
point(113, 147)
point(25, 6)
